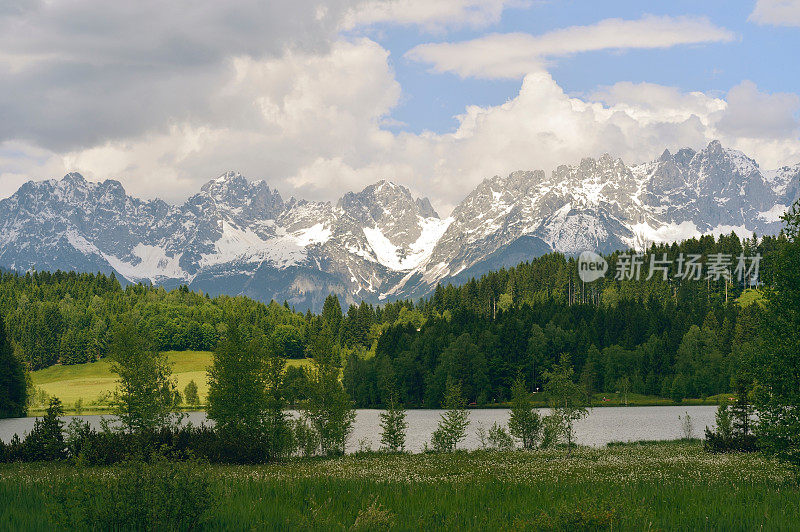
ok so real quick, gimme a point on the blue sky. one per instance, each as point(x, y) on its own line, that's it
point(322, 97)
point(764, 54)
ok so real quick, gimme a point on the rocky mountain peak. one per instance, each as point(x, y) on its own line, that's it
point(239, 237)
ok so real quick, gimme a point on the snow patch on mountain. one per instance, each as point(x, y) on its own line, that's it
point(316, 234)
point(396, 257)
point(774, 214)
point(153, 265)
point(645, 234)
point(740, 230)
point(80, 243)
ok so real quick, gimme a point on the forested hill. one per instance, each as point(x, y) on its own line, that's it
point(665, 337)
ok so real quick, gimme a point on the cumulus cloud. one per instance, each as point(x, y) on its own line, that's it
point(512, 55)
point(753, 114)
point(303, 107)
point(318, 132)
point(309, 117)
point(79, 73)
point(776, 12)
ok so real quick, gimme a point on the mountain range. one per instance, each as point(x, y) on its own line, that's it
point(241, 237)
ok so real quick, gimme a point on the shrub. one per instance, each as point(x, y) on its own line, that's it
point(453, 424)
point(499, 438)
point(524, 422)
point(139, 496)
point(46, 440)
point(732, 433)
point(551, 430)
point(393, 428)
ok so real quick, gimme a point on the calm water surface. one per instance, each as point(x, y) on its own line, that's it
point(603, 425)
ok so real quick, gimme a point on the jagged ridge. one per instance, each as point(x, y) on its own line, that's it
point(239, 237)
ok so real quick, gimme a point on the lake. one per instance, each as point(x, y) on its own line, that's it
point(603, 425)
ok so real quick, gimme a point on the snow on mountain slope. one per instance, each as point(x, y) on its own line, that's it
point(236, 236)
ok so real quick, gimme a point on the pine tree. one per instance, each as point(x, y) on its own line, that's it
point(778, 364)
point(13, 381)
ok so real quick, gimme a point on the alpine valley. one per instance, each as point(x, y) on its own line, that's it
point(241, 237)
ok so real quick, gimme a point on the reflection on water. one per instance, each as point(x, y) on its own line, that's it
point(603, 425)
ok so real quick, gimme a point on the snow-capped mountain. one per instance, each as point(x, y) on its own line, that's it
point(382, 243)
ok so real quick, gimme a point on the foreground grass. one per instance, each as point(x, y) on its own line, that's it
point(92, 381)
point(657, 486)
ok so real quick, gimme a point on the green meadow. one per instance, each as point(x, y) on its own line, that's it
point(94, 382)
point(655, 486)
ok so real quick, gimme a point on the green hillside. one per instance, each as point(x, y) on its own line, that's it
point(94, 382)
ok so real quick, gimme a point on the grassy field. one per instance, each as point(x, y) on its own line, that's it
point(655, 486)
point(91, 382)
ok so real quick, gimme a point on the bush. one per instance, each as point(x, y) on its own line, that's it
point(190, 394)
point(551, 430)
point(453, 424)
point(524, 422)
point(46, 441)
point(499, 438)
point(732, 433)
point(141, 496)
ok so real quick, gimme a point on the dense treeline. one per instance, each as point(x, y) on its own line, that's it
point(671, 337)
point(65, 317)
point(674, 337)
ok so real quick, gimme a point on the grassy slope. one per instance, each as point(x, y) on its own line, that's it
point(658, 486)
point(90, 381)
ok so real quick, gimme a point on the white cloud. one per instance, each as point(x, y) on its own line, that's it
point(316, 143)
point(301, 109)
point(310, 119)
point(431, 15)
point(776, 12)
point(753, 114)
point(74, 74)
point(513, 55)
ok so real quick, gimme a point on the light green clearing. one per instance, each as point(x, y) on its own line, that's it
point(90, 382)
